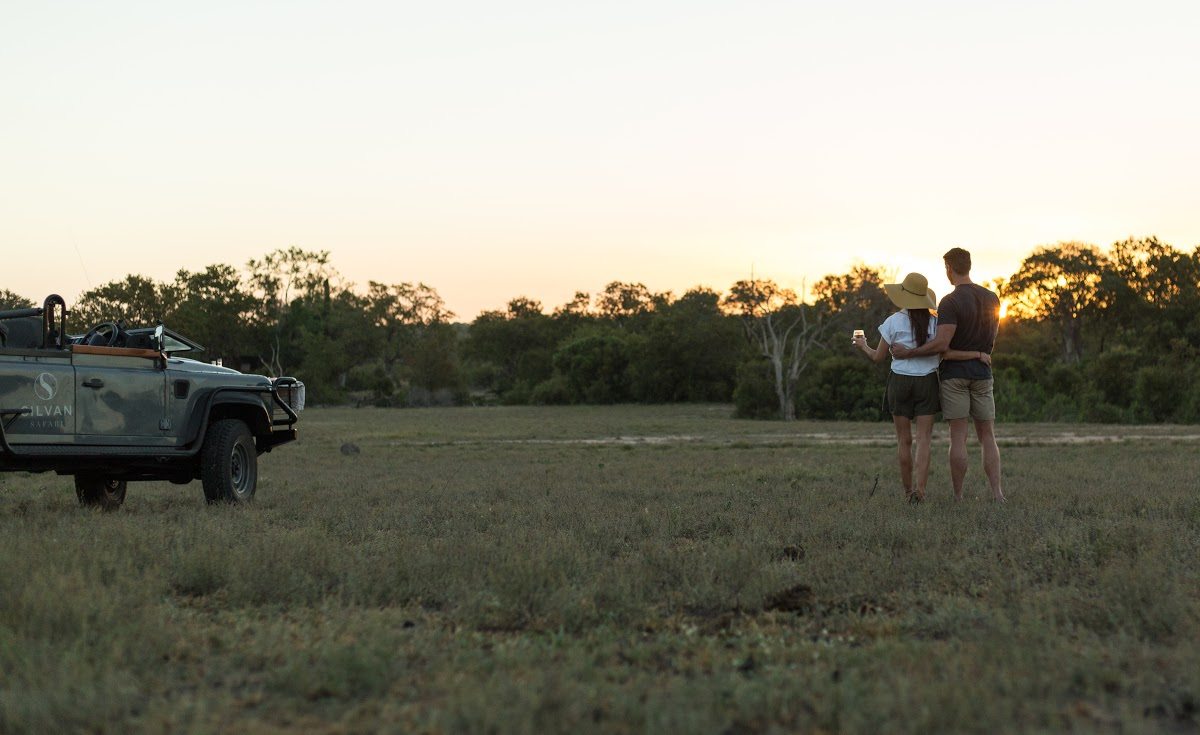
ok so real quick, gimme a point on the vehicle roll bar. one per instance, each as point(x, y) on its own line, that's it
point(48, 308)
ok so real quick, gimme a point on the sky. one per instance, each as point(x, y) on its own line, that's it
point(541, 148)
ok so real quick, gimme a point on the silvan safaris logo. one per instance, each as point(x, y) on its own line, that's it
point(46, 416)
point(45, 386)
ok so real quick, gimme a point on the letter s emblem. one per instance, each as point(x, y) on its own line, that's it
point(45, 386)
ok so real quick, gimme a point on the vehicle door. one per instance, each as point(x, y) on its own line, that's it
point(121, 396)
point(43, 383)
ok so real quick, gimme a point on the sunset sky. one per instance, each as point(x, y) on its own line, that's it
point(538, 148)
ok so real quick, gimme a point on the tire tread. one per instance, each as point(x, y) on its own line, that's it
point(214, 456)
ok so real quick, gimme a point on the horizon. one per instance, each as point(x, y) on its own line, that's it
point(547, 149)
point(983, 276)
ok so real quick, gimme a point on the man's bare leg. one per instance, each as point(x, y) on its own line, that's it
point(904, 452)
point(924, 439)
point(986, 432)
point(958, 455)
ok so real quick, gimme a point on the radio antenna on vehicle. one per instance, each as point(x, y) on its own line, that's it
point(82, 265)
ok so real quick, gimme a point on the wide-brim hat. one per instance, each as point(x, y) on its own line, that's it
point(912, 293)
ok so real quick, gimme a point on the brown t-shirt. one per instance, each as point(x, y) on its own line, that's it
point(975, 312)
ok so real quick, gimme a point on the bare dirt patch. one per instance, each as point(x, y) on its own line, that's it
point(1065, 438)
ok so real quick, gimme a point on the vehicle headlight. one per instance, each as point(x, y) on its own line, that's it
point(291, 391)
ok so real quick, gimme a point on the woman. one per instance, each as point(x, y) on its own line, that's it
point(912, 388)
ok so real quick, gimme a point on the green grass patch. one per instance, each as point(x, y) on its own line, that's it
point(616, 569)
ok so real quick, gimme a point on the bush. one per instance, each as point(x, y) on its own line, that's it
point(1111, 373)
point(1190, 409)
point(1059, 407)
point(754, 393)
point(689, 351)
point(595, 366)
point(1158, 391)
point(370, 377)
point(1023, 367)
point(518, 394)
point(421, 397)
point(1017, 400)
point(842, 388)
point(1062, 380)
point(1099, 412)
point(551, 392)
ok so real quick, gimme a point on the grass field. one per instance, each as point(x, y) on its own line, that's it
point(627, 569)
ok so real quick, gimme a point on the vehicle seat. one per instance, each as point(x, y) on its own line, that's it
point(24, 333)
point(138, 341)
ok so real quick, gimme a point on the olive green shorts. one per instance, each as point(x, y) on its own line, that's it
point(912, 396)
point(963, 397)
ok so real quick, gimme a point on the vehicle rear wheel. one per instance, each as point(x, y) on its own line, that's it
point(229, 462)
point(97, 491)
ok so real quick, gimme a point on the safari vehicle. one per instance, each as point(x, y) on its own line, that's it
point(116, 405)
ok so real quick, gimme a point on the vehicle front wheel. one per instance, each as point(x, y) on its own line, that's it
point(229, 462)
point(96, 491)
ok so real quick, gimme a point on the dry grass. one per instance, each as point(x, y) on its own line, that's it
point(726, 577)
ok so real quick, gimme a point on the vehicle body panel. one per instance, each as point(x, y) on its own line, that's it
point(45, 385)
point(120, 400)
point(123, 412)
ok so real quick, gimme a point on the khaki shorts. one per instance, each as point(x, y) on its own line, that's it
point(963, 397)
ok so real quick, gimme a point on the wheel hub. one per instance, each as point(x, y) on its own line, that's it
point(237, 468)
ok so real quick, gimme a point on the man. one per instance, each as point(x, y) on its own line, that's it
point(968, 319)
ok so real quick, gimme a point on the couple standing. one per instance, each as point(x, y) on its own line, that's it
point(941, 363)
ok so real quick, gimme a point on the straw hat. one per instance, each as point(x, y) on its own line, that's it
point(912, 293)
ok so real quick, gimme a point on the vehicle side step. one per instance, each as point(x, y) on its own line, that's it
point(68, 450)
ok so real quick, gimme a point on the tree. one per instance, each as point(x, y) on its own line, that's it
point(623, 302)
point(280, 280)
point(286, 274)
point(855, 298)
point(689, 351)
point(434, 365)
point(10, 300)
point(414, 334)
point(1060, 284)
point(136, 300)
point(401, 312)
point(326, 336)
point(1155, 272)
point(576, 311)
point(523, 307)
point(214, 307)
point(783, 328)
point(1153, 289)
point(595, 365)
point(513, 350)
point(841, 387)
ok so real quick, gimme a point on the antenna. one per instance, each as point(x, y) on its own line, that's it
point(82, 266)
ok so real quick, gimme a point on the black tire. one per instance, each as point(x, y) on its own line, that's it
point(97, 491)
point(229, 462)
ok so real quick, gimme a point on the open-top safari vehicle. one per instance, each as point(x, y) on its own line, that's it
point(115, 405)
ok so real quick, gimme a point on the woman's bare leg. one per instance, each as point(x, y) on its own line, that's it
point(924, 440)
point(904, 452)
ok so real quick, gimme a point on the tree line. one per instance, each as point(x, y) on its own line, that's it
point(1091, 334)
